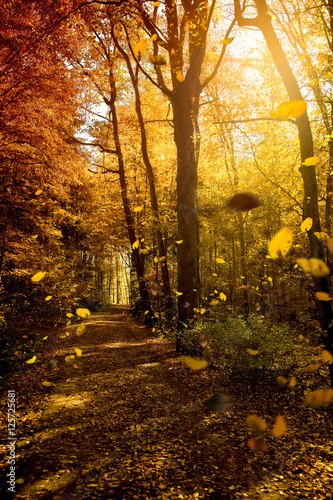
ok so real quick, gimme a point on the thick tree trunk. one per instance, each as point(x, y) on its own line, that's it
point(187, 212)
point(138, 264)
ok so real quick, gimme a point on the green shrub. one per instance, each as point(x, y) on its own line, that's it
point(228, 342)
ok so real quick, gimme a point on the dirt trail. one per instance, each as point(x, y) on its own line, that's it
point(129, 424)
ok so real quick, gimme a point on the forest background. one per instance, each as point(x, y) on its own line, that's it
point(126, 129)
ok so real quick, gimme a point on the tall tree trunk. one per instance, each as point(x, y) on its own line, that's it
point(187, 211)
point(151, 179)
point(125, 199)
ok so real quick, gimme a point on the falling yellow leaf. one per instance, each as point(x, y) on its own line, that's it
point(202, 311)
point(313, 266)
point(219, 260)
point(158, 60)
point(137, 209)
point(38, 276)
point(327, 357)
point(222, 296)
point(256, 424)
point(179, 75)
point(311, 368)
point(37, 193)
point(292, 382)
point(280, 243)
point(31, 360)
point(226, 41)
point(195, 364)
point(321, 235)
point(179, 293)
point(323, 296)
point(156, 4)
point(140, 48)
point(179, 242)
point(69, 315)
point(70, 358)
point(135, 244)
point(280, 427)
point(195, 310)
point(154, 37)
point(81, 329)
point(312, 160)
point(49, 297)
point(290, 109)
point(78, 351)
point(44, 338)
point(306, 225)
point(318, 398)
point(281, 380)
point(46, 383)
point(83, 312)
point(252, 352)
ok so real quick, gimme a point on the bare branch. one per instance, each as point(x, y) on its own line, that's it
point(93, 144)
point(218, 62)
point(267, 119)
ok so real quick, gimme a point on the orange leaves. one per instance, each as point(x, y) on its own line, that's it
point(259, 426)
point(323, 296)
point(280, 427)
point(140, 48)
point(319, 398)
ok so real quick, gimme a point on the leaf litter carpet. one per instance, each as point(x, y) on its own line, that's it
point(128, 422)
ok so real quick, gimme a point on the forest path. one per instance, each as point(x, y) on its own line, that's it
point(129, 424)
